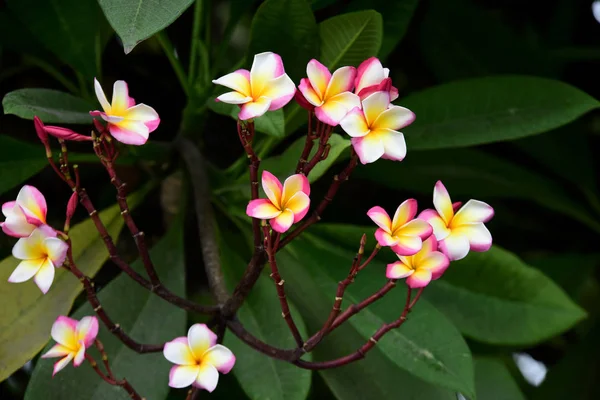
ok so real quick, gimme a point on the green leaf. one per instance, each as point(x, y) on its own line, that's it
point(572, 271)
point(349, 39)
point(144, 316)
point(271, 123)
point(288, 28)
point(70, 29)
point(491, 109)
point(428, 346)
point(135, 21)
point(260, 376)
point(496, 298)
point(18, 162)
point(493, 381)
point(284, 165)
point(52, 106)
point(396, 18)
point(26, 315)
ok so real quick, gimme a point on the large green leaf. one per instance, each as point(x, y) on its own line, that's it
point(135, 21)
point(144, 316)
point(271, 123)
point(71, 29)
point(493, 380)
point(52, 106)
point(469, 173)
point(18, 162)
point(288, 28)
point(260, 376)
point(428, 346)
point(491, 109)
point(396, 18)
point(26, 315)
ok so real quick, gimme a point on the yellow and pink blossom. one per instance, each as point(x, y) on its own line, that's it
point(24, 214)
point(371, 77)
point(285, 204)
point(73, 338)
point(199, 359)
point(128, 122)
point(266, 87)
point(421, 268)
point(403, 233)
point(458, 229)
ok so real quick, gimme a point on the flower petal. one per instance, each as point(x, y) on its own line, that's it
point(283, 221)
point(101, 96)
point(455, 246)
point(384, 238)
point(419, 279)
point(200, 339)
point(33, 204)
point(178, 351)
point(234, 98)
point(442, 202)
point(255, 108)
point(374, 105)
point(404, 213)
point(416, 227)
point(45, 276)
point(87, 330)
point(25, 270)
point(370, 72)
point(394, 146)
point(318, 76)
point(398, 270)
point(60, 364)
point(272, 187)
point(219, 357)
point(342, 80)
point(407, 245)
point(8, 208)
point(262, 209)
point(182, 376)
point(309, 93)
point(293, 184)
point(207, 378)
point(335, 108)
point(266, 66)
point(79, 356)
point(368, 148)
point(130, 132)
point(480, 238)
point(354, 123)
point(436, 262)
point(239, 81)
point(64, 331)
point(142, 113)
point(440, 230)
point(381, 218)
point(120, 97)
point(16, 224)
point(299, 204)
point(56, 250)
point(58, 350)
point(473, 211)
point(394, 118)
point(31, 247)
point(280, 90)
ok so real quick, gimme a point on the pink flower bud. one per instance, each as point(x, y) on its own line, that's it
point(39, 129)
point(72, 205)
point(99, 127)
point(66, 134)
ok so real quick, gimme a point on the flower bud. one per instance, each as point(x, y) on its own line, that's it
point(66, 134)
point(39, 129)
point(71, 207)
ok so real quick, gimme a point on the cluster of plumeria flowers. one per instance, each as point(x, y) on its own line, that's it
point(359, 100)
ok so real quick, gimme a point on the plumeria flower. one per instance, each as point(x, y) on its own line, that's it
point(374, 128)
point(372, 77)
point(459, 232)
point(73, 338)
point(127, 122)
point(24, 214)
point(403, 234)
point(420, 269)
point(265, 87)
point(41, 252)
point(285, 205)
point(199, 359)
point(329, 94)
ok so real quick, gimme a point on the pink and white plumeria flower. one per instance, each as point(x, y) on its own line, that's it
point(374, 129)
point(329, 94)
point(24, 214)
point(41, 252)
point(285, 204)
point(199, 359)
point(372, 77)
point(420, 269)
point(73, 338)
point(265, 87)
point(459, 232)
point(403, 234)
point(127, 122)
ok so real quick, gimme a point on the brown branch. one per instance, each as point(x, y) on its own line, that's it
point(322, 150)
point(246, 134)
point(246, 283)
point(112, 381)
point(238, 330)
point(308, 144)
